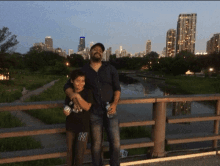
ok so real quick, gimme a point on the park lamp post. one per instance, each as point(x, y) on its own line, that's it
point(210, 71)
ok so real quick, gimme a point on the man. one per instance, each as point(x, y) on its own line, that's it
point(103, 79)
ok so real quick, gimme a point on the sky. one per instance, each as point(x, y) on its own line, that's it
point(114, 23)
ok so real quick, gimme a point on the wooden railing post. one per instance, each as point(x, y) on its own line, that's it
point(216, 124)
point(158, 130)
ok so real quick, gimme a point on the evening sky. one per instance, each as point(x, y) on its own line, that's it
point(114, 23)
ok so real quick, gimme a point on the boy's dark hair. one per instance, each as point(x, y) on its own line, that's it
point(76, 73)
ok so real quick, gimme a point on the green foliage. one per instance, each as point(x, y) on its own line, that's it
point(76, 60)
point(127, 63)
point(51, 94)
point(179, 66)
point(52, 115)
point(48, 162)
point(153, 55)
point(135, 132)
point(112, 57)
point(197, 85)
point(49, 116)
point(59, 69)
point(37, 60)
point(7, 97)
point(18, 143)
point(8, 121)
point(7, 40)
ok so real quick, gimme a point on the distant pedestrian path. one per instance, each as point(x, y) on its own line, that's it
point(47, 140)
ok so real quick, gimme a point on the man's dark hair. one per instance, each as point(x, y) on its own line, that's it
point(76, 73)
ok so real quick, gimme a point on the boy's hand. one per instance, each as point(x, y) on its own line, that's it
point(66, 113)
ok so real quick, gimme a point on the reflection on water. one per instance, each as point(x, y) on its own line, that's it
point(145, 87)
point(134, 87)
point(181, 108)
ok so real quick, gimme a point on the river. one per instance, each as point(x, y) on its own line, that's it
point(133, 86)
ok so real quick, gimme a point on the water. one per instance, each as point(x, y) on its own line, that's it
point(135, 87)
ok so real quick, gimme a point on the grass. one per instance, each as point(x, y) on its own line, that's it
point(15, 143)
point(11, 89)
point(21, 143)
point(45, 162)
point(195, 85)
point(51, 115)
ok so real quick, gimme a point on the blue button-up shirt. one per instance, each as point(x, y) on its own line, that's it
point(103, 84)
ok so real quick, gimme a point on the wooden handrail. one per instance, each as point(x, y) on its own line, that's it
point(157, 136)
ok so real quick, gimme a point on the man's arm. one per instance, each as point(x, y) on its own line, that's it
point(82, 103)
point(115, 102)
point(73, 97)
point(116, 88)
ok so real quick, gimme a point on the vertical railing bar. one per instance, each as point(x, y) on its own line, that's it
point(158, 130)
point(216, 126)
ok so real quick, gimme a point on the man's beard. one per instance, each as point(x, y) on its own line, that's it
point(96, 59)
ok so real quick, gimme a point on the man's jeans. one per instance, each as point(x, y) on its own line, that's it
point(97, 122)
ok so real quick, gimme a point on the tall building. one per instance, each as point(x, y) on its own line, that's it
point(117, 53)
point(148, 47)
point(70, 51)
point(39, 46)
point(91, 44)
point(186, 33)
point(108, 53)
point(213, 45)
point(49, 42)
point(120, 49)
point(170, 43)
point(81, 46)
point(163, 53)
point(123, 53)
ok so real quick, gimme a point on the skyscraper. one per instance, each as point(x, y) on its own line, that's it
point(49, 42)
point(213, 45)
point(170, 43)
point(148, 47)
point(81, 46)
point(91, 44)
point(120, 49)
point(186, 33)
point(71, 51)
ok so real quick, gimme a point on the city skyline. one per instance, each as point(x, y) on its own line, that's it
point(115, 24)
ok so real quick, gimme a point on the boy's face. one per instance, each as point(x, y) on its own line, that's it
point(78, 83)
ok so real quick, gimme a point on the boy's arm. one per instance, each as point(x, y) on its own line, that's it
point(73, 97)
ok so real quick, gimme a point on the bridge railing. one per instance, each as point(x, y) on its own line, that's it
point(158, 122)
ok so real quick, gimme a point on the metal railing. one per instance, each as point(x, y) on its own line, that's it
point(158, 122)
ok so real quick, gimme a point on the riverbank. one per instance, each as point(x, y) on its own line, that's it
point(186, 84)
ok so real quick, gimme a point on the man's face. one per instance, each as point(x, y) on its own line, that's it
point(96, 54)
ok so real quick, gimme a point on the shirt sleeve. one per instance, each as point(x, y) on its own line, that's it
point(67, 85)
point(115, 79)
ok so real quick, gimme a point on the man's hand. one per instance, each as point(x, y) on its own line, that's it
point(112, 108)
point(74, 99)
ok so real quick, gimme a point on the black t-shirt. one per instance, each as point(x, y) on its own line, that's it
point(79, 122)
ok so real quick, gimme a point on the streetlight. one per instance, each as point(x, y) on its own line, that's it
point(67, 64)
point(211, 69)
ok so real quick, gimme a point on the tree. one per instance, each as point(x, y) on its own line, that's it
point(179, 67)
point(112, 57)
point(76, 60)
point(7, 40)
point(153, 55)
